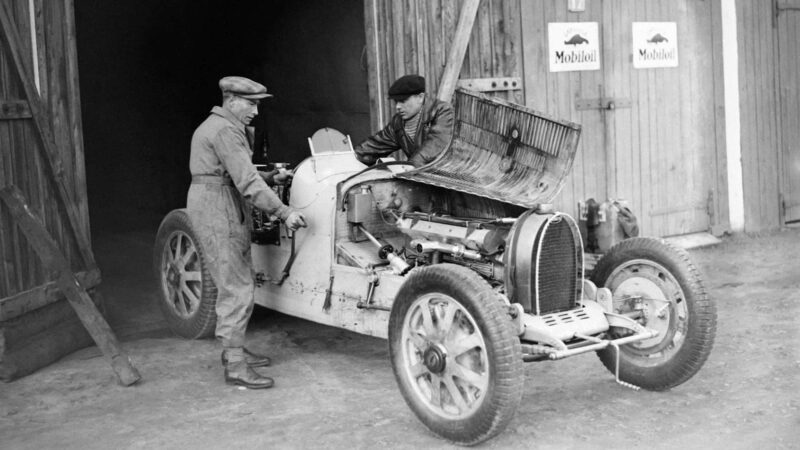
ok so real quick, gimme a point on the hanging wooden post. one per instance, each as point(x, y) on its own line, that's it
point(54, 259)
point(455, 59)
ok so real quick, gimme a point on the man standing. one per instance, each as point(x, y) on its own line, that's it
point(223, 180)
point(422, 127)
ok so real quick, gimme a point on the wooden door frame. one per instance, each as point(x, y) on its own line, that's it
point(781, 7)
point(44, 127)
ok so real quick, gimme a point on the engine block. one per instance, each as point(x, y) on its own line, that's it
point(535, 256)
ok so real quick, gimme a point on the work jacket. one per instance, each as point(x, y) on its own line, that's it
point(433, 135)
point(220, 149)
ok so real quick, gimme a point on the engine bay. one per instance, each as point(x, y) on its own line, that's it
point(397, 225)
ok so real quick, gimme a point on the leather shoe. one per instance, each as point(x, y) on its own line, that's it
point(253, 360)
point(240, 374)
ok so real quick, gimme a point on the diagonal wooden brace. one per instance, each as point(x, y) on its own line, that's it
point(54, 259)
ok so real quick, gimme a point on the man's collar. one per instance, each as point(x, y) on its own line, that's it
point(224, 113)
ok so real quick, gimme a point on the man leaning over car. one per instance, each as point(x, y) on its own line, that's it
point(421, 128)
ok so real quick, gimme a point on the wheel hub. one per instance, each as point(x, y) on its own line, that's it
point(173, 276)
point(435, 359)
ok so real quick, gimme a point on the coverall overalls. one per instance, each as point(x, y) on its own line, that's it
point(223, 180)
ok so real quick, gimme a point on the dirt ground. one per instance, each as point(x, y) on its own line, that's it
point(335, 389)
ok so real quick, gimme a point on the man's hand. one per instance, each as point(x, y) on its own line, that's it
point(295, 220)
point(283, 176)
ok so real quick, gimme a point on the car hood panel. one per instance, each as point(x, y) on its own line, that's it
point(504, 152)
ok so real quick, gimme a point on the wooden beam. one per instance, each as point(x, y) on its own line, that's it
point(10, 36)
point(469, 9)
point(40, 296)
point(374, 63)
point(491, 84)
point(75, 120)
point(53, 259)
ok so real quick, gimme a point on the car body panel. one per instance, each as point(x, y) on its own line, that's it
point(313, 273)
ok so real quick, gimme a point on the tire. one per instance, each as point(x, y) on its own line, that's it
point(674, 302)
point(186, 292)
point(475, 359)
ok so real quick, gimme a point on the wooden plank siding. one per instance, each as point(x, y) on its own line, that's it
point(759, 119)
point(414, 36)
point(665, 153)
point(657, 153)
point(720, 211)
point(24, 160)
point(788, 36)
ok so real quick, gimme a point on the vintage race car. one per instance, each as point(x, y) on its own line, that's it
point(464, 267)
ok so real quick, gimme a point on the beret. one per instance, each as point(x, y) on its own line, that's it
point(405, 86)
point(243, 87)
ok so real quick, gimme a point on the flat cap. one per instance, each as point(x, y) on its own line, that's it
point(243, 87)
point(405, 86)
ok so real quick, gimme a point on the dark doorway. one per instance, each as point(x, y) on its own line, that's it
point(148, 77)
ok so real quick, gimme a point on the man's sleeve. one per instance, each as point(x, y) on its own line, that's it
point(231, 149)
point(381, 144)
point(438, 137)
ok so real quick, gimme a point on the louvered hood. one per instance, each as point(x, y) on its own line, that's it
point(503, 151)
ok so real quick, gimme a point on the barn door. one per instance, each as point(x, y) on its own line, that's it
point(789, 84)
point(648, 134)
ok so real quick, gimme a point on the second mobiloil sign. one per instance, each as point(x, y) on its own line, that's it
point(576, 45)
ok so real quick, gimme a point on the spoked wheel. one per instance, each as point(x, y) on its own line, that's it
point(657, 285)
point(455, 357)
point(187, 294)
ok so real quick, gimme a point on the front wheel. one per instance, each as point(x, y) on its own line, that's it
point(455, 356)
point(657, 284)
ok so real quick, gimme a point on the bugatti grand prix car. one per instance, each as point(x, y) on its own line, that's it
point(464, 266)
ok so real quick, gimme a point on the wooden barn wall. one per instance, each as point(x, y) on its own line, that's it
point(788, 31)
point(23, 161)
point(662, 149)
point(669, 140)
point(415, 36)
point(759, 120)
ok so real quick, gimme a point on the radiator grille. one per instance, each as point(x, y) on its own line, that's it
point(559, 268)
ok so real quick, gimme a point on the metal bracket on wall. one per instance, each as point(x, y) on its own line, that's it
point(14, 109)
point(609, 103)
point(491, 84)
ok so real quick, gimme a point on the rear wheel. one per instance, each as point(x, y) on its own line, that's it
point(455, 356)
point(657, 284)
point(186, 291)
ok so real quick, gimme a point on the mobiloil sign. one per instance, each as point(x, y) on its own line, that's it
point(573, 46)
point(655, 44)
